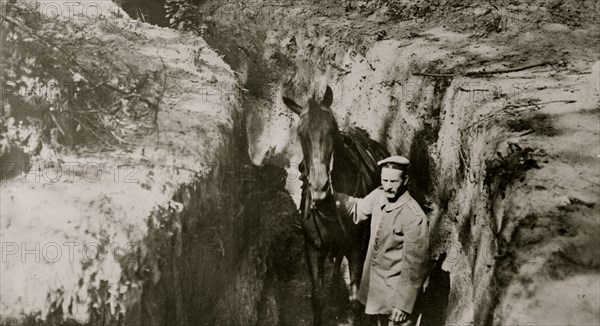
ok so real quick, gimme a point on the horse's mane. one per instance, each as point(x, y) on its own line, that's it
point(355, 171)
point(355, 160)
point(316, 119)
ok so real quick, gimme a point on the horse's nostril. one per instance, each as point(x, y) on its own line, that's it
point(347, 141)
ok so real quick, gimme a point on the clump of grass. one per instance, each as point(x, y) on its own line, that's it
point(406, 10)
point(501, 171)
point(538, 123)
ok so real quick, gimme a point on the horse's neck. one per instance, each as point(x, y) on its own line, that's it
point(327, 205)
point(343, 175)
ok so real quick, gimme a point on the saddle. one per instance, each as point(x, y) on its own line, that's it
point(363, 152)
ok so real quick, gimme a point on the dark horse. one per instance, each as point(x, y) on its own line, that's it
point(346, 162)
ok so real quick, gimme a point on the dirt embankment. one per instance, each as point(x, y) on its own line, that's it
point(501, 127)
point(504, 163)
point(173, 227)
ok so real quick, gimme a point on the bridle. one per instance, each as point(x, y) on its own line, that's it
point(313, 209)
point(330, 188)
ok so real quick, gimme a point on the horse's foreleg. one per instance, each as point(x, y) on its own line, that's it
point(336, 277)
point(355, 264)
point(316, 262)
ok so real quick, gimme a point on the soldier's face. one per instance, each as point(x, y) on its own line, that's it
point(392, 181)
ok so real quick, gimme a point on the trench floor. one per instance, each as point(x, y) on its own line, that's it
point(294, 293)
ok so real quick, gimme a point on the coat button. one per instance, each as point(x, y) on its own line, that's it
point(373, 264)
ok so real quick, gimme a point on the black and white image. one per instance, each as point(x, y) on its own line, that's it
point(306, 162)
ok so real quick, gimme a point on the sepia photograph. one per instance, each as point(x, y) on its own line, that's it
point(300, 162)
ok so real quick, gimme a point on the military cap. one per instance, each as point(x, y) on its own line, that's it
point(394, 159)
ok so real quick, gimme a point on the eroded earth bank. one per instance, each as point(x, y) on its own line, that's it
point(499, 121)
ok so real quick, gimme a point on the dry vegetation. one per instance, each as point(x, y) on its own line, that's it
point(61, 91)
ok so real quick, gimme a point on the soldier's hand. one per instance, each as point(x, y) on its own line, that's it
point(398, 315)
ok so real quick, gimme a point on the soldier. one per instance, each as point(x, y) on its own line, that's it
point(397, 261)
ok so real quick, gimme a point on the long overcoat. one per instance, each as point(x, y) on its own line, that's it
point(397, 261)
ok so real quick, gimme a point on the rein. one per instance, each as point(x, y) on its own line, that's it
point(344, 230)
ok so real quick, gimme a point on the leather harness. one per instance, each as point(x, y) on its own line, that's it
point(312, 210)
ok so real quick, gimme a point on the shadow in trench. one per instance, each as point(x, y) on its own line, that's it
point(434, 302)
point(420, 172)
point(15, 164)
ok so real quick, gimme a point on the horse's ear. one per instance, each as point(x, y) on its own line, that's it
point(328, 98)
point(292, 105)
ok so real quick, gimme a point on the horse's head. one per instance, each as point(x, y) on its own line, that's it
point(318, 132)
